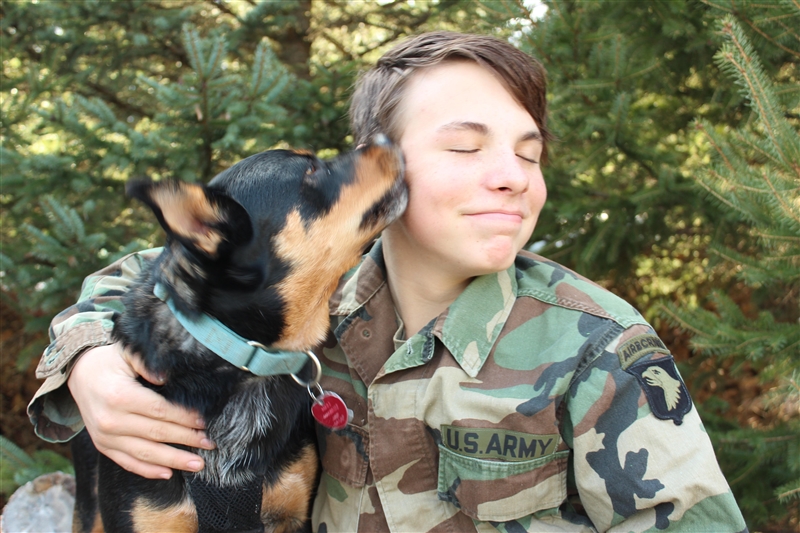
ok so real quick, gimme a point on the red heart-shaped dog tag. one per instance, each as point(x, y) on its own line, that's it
point(330, 410)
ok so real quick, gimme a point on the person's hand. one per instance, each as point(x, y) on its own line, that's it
point(129, 422)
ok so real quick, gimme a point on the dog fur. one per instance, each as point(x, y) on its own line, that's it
point(261, 249)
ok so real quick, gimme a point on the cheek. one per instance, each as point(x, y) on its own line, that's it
point(428, 217)
point(424, 206)
point(429, 189)
point(536, 197)
point(537, 194)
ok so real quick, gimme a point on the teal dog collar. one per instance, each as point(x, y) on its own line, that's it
point(251, 356)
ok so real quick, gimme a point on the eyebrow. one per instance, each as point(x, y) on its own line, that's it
point(466, 126)
point(483, 129)
point(534, 135)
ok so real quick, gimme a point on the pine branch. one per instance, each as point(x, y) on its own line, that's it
point(676, 319)
point(720, 197)
point(789, 350)
point(774, 237)
point(756, 145)
point(112, 97)
point(414, 23)
point(768, 37)
point(337, 44)
point(750, 73)
point(790, 494)
point(220, 4)
point(787, 208)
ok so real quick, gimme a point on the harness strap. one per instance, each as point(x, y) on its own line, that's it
point(235, 509)
point(246, 355)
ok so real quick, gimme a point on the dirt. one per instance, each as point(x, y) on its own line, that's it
point(19, 387)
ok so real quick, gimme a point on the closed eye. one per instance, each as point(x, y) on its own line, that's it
point(528, 159)
point(474, 150)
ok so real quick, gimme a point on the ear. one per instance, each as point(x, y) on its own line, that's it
point(205, 220)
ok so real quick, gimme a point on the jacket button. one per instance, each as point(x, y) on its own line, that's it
point(366, 334)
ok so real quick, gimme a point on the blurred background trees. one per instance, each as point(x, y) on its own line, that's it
point(675, 181)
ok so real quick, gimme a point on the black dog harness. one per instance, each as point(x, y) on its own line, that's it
point(226, 509)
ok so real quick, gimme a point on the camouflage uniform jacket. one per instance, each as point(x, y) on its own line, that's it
point(526, 406)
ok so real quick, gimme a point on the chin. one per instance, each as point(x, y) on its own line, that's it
point(498, 258)
point(494, 264)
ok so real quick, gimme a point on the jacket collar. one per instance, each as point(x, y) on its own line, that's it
point(471, 325)
point(468, 328)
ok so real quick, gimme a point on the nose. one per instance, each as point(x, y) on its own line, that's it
point(381, 140)
point(507, 173)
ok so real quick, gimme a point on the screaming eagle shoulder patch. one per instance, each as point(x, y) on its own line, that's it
point(665, 391)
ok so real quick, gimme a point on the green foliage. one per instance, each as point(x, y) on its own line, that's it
point(18, 467)
point(96, 92)
point(755, 178)
point(626, 80)
point(755, 464)
point(85, 134)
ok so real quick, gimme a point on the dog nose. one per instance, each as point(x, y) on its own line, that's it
point(381, 140)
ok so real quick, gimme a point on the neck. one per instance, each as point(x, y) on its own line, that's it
point(420, 287)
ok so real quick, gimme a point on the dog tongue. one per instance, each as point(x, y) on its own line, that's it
point(330, 410)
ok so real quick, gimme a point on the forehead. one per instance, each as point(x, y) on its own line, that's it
point(459, 92)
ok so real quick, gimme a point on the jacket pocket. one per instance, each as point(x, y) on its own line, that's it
point(500, 490)
point(345, 454)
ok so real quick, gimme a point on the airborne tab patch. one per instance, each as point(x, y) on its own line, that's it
point(666, 393)
point(637, 347)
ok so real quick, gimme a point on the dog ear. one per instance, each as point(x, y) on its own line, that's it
point(203, 219)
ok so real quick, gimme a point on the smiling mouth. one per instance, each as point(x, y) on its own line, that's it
point(497, 216)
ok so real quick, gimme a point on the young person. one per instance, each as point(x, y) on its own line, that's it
point(491, 388)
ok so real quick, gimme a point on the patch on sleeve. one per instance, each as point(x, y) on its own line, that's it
point(666, 393)
point(637, 347)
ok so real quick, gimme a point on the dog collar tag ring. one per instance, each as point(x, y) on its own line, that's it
point(330, 410)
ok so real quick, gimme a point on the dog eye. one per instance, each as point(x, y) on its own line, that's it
point(311, 169)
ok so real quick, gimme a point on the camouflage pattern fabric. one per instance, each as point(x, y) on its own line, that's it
point(514, 411)
point(86, 324)
point(537, 402)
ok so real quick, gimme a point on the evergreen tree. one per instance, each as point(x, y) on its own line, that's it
point(66, 155)
point(756, 179)
point(625, 80)
point(97, 91)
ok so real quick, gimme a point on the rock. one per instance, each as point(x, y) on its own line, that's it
point(43, 505)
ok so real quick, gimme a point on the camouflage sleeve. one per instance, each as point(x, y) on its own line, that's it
point(86, 324)
point(642, 458)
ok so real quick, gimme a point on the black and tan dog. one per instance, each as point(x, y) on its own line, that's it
point(260, 249)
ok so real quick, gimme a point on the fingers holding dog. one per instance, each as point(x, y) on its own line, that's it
point(139, 368)
point(152, 460)
point(128, 422)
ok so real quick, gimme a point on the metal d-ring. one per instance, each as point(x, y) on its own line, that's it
point(317, 373)
point(316, 398)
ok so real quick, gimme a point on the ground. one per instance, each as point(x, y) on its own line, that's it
point(18, 387)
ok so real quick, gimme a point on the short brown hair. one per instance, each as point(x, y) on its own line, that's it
point(378, 92)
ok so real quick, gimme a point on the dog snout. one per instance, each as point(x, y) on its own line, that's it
point(383, 158)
